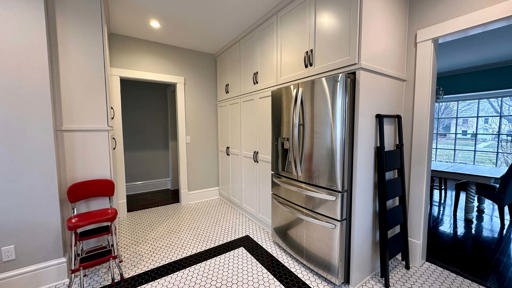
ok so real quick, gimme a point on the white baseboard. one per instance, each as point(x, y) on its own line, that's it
point(38, 275)
point(146, 186)
point(415, 252)
point(201, 195)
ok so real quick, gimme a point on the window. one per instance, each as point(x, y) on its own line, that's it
point(474, 129)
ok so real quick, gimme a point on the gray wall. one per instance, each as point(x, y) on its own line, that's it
point(29, 205)
point(145, 112)
point(422, 14)
point(200, 97)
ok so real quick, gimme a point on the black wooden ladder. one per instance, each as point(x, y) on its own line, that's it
point(391, 185)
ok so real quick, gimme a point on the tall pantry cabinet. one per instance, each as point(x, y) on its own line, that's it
point(79, 64)
point(256, 152)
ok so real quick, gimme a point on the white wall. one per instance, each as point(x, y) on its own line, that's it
point(29, 205)
point(199, 71)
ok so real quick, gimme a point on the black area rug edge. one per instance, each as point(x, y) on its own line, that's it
point(280, 272)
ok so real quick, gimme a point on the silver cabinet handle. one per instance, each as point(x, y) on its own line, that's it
point(297, 214)
point(115, 143)
point(113, 113)
point(313, 193)
point(228, 151)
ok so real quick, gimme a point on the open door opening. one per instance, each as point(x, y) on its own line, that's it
point(149, 144)
point(147, 116)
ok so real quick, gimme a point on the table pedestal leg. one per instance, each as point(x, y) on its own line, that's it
point(469, 206)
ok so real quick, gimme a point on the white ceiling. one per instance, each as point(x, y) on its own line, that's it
point(202, 25)
point(482, 49)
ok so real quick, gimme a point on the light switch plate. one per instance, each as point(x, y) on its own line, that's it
point(8, 253)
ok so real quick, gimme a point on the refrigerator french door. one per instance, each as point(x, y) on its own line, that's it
point(311, 171)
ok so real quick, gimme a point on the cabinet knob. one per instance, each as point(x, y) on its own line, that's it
point(306, 59)
point(114, 146)
point(310, 58)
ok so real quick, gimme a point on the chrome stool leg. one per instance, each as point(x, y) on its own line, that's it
point(82, 278)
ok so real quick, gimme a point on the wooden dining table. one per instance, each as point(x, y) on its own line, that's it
point(473, 173)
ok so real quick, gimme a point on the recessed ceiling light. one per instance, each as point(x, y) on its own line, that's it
point(154, 23)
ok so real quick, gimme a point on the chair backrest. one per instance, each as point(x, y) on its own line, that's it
point(89, 189)
point(506, 185)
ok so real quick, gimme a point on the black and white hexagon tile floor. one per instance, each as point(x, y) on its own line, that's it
point(150, 238)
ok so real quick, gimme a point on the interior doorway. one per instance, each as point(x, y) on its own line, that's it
point(150, 144)
point(144, 147)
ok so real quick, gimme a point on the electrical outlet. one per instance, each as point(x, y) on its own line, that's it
point(8, 253)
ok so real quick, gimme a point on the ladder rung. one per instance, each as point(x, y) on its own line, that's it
point(395, 245)
point(394, 217)
point(392, 160)
point(393, 188)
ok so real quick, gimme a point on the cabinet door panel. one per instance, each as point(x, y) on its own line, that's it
point(250, 185)
point(264, 122)
point(249, 126)
point(233, 70)
point(267, 53)
point(236, 178)
point(264, 190)
point(249, 58)
point(294, 27)
point(234, 127)
point(336, 26)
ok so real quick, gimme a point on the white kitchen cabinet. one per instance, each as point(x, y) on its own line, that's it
point(315, 36)
point(256, 153)
point(228, 73)
point(230, 176)
point(258, 57)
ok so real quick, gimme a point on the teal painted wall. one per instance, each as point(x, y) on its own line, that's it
point(477, 81)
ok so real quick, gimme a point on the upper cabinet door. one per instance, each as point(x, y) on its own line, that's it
point(295, 27)
point(228, 73)
point(258, 57)
point(336, 30)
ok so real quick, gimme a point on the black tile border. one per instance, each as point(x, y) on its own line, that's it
point(282, 273)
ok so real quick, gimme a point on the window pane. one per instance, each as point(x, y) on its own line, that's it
point(434, 140)
point(435, 125)
point(504, 159)
point(488, 125)
point(465, 142)
point(507, 106)
point(446, 141)
point(468, 108)
point(447, 125)
point(447, 109)
point(465, 157)
point(433, 154)
point(506, 125)
point(444, 155)
point(466, 126)
point(487, 142)
point(485, 159)
point(489, 107)
point(505, 144)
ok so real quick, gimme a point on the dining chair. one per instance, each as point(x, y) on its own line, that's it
point(500, 194)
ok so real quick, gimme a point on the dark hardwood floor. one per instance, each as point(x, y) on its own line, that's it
point(151, 199)
point(480, 250)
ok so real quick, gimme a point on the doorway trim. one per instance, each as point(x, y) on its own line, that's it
point(424, 91)
point(118, 74)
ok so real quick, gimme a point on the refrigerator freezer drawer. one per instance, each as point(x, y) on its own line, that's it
point(326, 202)
point(317, 241)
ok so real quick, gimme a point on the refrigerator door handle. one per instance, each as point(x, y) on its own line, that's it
point(296, 118)
point(298, 214)
point(293, 132)
point(312, 193)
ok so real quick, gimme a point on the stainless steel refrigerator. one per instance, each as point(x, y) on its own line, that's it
point(311, 172)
